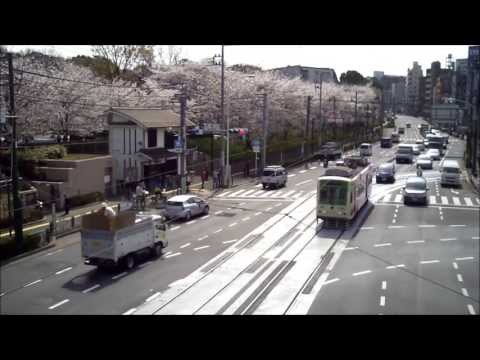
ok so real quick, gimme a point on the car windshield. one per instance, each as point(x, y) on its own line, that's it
point(404, 150)
point(333, 192)
point(268, 173)
point(385, 168)
point(416, 185)
point(450, 170)
point(364, 146)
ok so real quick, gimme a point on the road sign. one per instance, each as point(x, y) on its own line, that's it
point(256, 145)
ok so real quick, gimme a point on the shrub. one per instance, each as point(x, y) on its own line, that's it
point(84, 199)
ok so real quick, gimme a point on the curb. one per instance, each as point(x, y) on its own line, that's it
point(26, 254)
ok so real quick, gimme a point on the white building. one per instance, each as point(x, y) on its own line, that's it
point(414, 76)
point(139, 139)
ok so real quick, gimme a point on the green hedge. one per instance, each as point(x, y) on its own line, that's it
point(84, 199)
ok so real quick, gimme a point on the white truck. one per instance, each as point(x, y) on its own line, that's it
point(119, 241)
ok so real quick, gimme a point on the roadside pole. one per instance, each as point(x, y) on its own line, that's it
point(305, 137)
point(183, 105)
point(227, 166)
point(265, 131)
point(53, 225)
point(320, 114)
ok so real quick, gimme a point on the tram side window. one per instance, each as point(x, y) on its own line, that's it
point(333, 193)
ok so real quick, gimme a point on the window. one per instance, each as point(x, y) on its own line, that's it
point(152, 137)
point(333, 192)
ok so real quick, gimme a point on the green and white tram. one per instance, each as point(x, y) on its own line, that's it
point(343, 191)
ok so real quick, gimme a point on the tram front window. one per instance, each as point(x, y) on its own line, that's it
point(333, 192)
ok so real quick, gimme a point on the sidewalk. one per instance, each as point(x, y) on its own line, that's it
point(474, 180)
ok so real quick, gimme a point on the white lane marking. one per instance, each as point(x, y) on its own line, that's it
point(429, 261)
point(289, 193)
point(303, 182)
point(2, 294)
point(131, 311)
point(185, 245)
point(471, 309)
point(396, 227)
point(150, 298)
point(441, 217)
point(459, 277)
point(454, 192)
point(258, 186)
point(241, 204)
point(292, 175)
point(384, 285)
point(382, 244)
point(455, 265)
point(268, 209)
point(173, 255)
point(298, 194)
point(218, 212)
point(386, 198)
point(233, 224)
point(350, 248)
point(313, 167)
point(174, 228)
point(456, 200)
point(475, 237)
point(395, 266)
point(448, 239)
point(464, 292)
point(224, 194)
point(444, 200)
point(330, 281)
point(91, 288)
point(168, 253)
point(236, 193)
point(32, 283)
point(279, 204)
point(382, 300)
point(394, 221)
point(119, 275)
point(367, 228)
point(433, 199)
point(427, 226)
point(201, 247)
point(258, 193)
point(302, 171)
point(246, 218)
point(457, 225)
point(468, 201)
point(64, 270)
point(54, 252)
point(191, 222)
point(202, 238)
point(205, 217)
point(257, 213)
point(58, 304)
point(465, 258)
point(415, 242)
point(229, 241)
point(395, 215)
point(249, 192)
point(362, 273)
point(398, 198)
point(219, 230)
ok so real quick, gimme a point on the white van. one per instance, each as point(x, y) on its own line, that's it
point(404, 154)
point(365, 149)
point(274, 177)
point(451, 173)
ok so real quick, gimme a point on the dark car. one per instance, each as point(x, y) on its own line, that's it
point(415, 191)
point(386, 173)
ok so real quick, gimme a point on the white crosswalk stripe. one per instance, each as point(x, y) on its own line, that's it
point(456, 201)
point(224, 194)
point(444, 200)
point(433, 200)
point(387, 197)
point(237, 193)
point(452, 201)
point(297, 195)
point(263, 194)
point(398, 198)
point(248, 192)
point(268, 194)
point(289, 193)
point(468, 201)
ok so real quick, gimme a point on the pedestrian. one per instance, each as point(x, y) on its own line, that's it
point(66, 204)
point(189, 182)
point(202, 176)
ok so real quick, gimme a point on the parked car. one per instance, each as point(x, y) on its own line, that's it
point(274, 177)
point(434, 154)
point(365, 149)
point(386, 142)
point(386, 172)
point(420, 144)
point(450, 173)
point(415, 191)
point(185, 206)
point(425, 162)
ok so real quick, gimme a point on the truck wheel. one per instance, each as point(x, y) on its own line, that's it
point(158, 250)
point(264, 186)
point(129, 261)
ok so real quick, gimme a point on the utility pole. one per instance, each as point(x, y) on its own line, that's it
point(222, 106)
point(335, 117)
point(227, 167)
point(183, 105)
point(320, 112)
point(17, 205)
point(265, 131)
point(356, 104)
point(307, 120)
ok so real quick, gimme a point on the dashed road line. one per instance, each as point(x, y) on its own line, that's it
point(302, 171)
point(475, 238)
point(367, 228)
point(257, 213)
point(191, 222)
point(382, 244)
point(201, 247)
point(384, 285)
point(229, 241)
point(150, 298)
point(457, 225)
point(429, 261)
point(119, 275)
point(219, 230)
point(174, 228)
point(396, 227)
point(173, 255)
point(218, 212)
point(416, 242)
point(131, 311)
point(464, 292)
point(350, 248)
point(382, 300)
point(185, 245)
point(246, 218)
point(395, 266)
point(448, 239)
point(268, 209)
point(303, 182)
point(233, 224)
point(202, 238)
point(205, 217)
point(59, 304)
point(362, 273)
point(331, 281)
point(465, 258)
point(64, 270)
point(427, 226)
point(459, 277)
point(86, 291)
point(32, 283)
point(455, 265)
point(471, 309)
point(54, 252)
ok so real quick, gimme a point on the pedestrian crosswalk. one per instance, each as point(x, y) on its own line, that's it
point(264, 194)
point(436, 200)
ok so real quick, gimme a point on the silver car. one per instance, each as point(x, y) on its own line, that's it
point(274, 177)
point(425, 162)
point(185, 206)
point(415, 191)
point(434, 154)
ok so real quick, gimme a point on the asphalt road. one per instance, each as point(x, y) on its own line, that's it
point(210, 266)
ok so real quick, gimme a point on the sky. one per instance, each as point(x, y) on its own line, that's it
point(391, 59)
